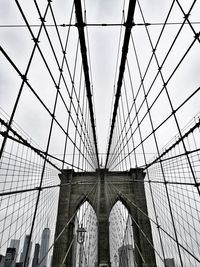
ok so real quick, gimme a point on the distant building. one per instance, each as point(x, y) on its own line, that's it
point(10, 257)
point(169, 262)
point(43, 259)
point(15, 244)
point(25, 248)
point(36, 255)
point(126, 256)
point(2, 259)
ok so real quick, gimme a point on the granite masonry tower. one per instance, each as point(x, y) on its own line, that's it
point(130, 184)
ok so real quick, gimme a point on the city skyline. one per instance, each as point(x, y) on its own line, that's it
point(13, 257)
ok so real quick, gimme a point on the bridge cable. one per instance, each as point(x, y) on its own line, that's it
point(80, 26)
point(127, 34)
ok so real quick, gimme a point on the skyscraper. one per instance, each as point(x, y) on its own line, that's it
point(44, 247)
point(2, 260)
point(14, 243)
point(25, 247)
point(126, 256)
point(10, 257)
point(36, 255)
point(169, 262)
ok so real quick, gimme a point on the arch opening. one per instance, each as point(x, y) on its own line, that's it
point(85, 253)
point(121, 237)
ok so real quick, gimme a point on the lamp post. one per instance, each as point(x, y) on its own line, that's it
point(81, 234)
point(115, 260)
point(80, 239)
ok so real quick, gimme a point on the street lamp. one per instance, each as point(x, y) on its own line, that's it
point(81, 234)
point(80, 239)
point(115, 260)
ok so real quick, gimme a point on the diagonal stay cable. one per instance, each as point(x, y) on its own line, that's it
point(127, 34)
point(47, 65)
point(88, 142)
point(196, 37)
point(25, 80)
point(80, 26)
point(23, 76)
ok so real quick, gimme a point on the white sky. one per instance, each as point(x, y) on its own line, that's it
point(103, 43)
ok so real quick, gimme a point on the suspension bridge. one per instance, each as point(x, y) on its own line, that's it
point(99, 133)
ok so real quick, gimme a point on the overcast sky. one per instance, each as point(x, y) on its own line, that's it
point(103, 51)
point(103, 43)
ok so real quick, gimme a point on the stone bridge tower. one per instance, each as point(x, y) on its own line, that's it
point(73, 194)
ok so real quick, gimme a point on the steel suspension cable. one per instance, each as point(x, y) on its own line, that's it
point(127, 34)
point(80, 26)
